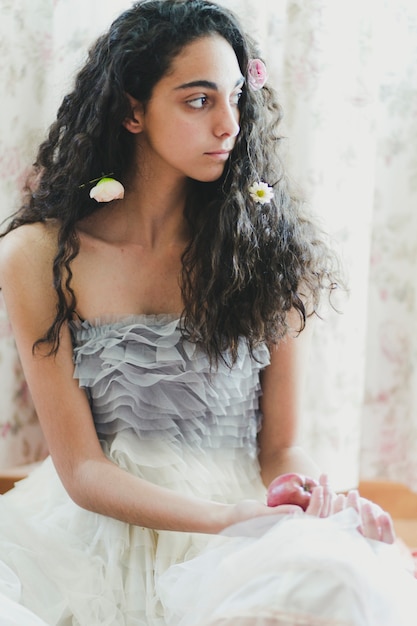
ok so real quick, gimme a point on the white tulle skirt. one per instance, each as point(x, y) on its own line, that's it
point(71, 567)
point(298, 571)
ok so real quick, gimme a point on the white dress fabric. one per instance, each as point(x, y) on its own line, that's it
point(163, 414)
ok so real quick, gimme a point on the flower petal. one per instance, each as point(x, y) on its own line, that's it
point(107, 189)
point(257, 74)
point(261, 192)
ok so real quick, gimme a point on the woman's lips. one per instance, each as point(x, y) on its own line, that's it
point(221, 155)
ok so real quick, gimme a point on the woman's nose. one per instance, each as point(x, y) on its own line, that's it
point(227, 121)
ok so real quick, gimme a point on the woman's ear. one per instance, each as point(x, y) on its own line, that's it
point(134, 123)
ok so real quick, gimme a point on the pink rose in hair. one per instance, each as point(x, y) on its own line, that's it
point(257, 74)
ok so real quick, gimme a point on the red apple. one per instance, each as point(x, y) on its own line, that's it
point(291, 489)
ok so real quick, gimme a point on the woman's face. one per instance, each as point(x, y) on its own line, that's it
point(189, 126)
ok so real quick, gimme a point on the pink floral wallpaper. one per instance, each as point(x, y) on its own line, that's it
point(25, 37)
point(346, 74)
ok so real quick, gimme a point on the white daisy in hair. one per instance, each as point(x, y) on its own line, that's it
point(261, 192)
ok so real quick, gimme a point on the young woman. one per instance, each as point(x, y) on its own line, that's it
point(158, 280)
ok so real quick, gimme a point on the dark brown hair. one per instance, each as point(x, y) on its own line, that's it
point(247, 265)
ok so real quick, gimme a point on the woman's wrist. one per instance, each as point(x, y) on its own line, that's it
point(218, 517)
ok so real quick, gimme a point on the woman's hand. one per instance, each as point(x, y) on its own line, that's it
point(375, 523)
point(322, 498)
point(320, 505)
point(250, 509)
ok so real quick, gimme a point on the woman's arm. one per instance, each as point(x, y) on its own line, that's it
point(92, 480)
point(282, 388)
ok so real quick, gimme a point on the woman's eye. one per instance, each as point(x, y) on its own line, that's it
point(203, 101)
point(198, 103)
point(236, 97)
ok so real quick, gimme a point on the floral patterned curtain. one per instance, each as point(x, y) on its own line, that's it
point(346, 74)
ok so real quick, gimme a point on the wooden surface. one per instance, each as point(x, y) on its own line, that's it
point(9, 477)
point(400, 502)
point(395, 498)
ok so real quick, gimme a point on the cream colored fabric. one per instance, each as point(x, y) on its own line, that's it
point(164, 415)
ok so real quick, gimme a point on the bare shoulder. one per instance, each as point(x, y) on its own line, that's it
point(26, 278)
point(28, 251)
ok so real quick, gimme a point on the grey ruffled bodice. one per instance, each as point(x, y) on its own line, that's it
point(140, 373)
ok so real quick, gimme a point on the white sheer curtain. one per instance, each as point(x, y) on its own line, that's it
point(346, 74)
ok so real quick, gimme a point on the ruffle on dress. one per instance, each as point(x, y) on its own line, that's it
point(141, 374)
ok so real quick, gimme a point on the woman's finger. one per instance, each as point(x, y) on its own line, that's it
point(386, 526)
point(353, 500)
point(316, 502)
point(284, 509)
point(370, 528)
point(338, 504)
point(327, 496)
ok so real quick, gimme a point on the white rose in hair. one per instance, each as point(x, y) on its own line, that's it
point(107, 189)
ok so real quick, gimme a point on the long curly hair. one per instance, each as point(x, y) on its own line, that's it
point(246, 264)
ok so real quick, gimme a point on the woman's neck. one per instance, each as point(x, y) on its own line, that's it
point(153, 211)
point(150, 215)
